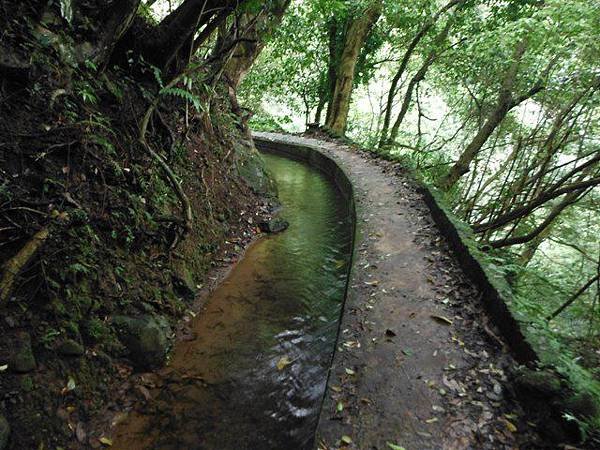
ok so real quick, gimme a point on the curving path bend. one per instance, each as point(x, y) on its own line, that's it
point(417, 363)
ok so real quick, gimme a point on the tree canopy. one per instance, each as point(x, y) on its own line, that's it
point(495, 103)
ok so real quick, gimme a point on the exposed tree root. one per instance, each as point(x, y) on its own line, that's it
point(183, 198)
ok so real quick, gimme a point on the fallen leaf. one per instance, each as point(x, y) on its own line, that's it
point(80, 433)
point(432, 420)
point(441, 319)
point(283, 363)
point(145, 393)
point(346, 439)
point(351, 344)
point(394, 446)
point(106, 441)
point(511, 427)
point(336, 388)
point(339, 407)
point(71, 384)
point(350, 371)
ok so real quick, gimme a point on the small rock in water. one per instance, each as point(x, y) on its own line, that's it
point(145, 337)
point(275, 225)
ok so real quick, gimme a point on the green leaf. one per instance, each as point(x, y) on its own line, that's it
point(346, 439)
point(394, 446)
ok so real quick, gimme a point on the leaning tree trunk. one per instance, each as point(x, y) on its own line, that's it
point(505, 103)
point(180, 26)
point(415, 80)
point(253, 41)
point(356, 36)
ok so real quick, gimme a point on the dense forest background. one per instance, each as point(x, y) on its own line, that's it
point(495, 103)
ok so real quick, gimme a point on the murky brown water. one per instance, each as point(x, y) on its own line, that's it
point(280, 306)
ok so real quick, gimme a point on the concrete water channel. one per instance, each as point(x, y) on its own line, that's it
point(255, 374)
point(356, 328)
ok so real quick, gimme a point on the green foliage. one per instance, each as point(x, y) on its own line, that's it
point(539, 142)
point(184, 95)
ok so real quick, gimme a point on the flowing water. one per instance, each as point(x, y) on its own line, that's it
point(254, 375)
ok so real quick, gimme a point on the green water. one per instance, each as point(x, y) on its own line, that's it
point(280, 306)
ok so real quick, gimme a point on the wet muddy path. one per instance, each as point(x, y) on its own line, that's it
point(253, 371)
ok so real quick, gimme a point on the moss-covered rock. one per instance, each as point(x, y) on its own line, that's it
point(541, 383)
point(183, 281)
point(22, 360)
point(27, 383)
point(146, 339)
point(275, 225)
point(69, 347)
point(252, 169)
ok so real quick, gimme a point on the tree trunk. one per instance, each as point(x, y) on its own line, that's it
point(403, 64)
point(118, 20)
point(319, 111)
point(356, 36)
point(259, 28)
point(177, 28)
point(332, 66)
point(504, 104)
point(415, 80)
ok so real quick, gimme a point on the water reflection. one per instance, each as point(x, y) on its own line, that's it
point(254, 376)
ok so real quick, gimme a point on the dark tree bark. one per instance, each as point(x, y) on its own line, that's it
point(117, 22)
point(332, 65)
point(358, 30)
point(505, 103)
point(178, 27)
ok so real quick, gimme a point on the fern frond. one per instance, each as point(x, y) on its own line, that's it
point(158, 76)
point(183, 94)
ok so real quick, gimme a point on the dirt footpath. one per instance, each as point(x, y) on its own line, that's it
point(418, 365)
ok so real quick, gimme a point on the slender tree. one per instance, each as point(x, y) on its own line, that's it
point(358, 30)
